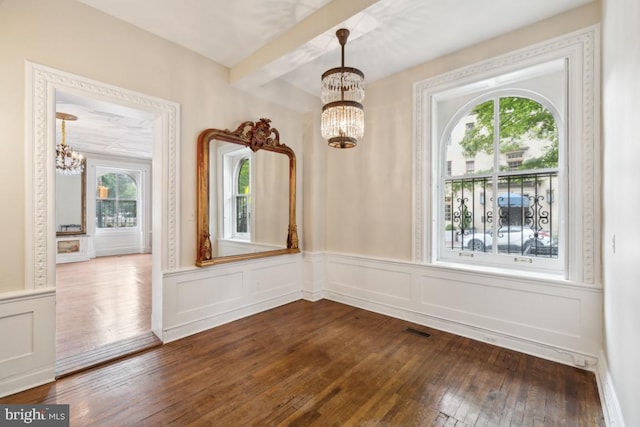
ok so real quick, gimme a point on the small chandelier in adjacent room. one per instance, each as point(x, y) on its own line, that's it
point(68, 161)
point(342, 92)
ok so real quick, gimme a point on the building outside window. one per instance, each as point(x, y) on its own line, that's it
point(471, 167)
point(469, 127)
point(448, 210)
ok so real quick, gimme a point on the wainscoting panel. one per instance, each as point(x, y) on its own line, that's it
point(203, 293)
point(16, 346)
point(271, 280)
point(118, 242)
point(479, 304)
point(201, 298)
point(384, 281)
point(27, 339)
point(553, 319)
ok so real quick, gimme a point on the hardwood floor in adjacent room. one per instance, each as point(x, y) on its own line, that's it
point(322, 364)
point(99, 303)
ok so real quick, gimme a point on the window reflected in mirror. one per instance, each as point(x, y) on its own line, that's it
point(235, 174)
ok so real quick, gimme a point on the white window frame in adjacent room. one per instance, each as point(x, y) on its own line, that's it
point(136, 174)
point(135, 177)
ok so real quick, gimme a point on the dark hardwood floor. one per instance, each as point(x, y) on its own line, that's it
point(103, 310)
point(325, 364)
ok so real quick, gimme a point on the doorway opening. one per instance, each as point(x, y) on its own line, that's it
point(103, 284)
point(44, 84)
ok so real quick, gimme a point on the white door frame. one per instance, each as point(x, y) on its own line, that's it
point(40, 239)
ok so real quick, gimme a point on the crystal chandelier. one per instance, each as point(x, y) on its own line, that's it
point(68, 162)
point(342, 92)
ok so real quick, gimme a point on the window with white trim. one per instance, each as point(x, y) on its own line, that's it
point(116, 199)
point(237, 201)
point(497, 150)
point(562, 76)
point(242, 196)
point(502, 208)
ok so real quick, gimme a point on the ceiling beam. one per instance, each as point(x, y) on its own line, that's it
point(270, 61)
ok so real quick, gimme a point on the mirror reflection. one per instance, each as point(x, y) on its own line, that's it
point(246, 194)
point(70, 204)
point(248, 201)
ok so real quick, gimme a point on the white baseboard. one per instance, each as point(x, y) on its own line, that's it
point(29, 380)
point(608, 396)
point(312, 296)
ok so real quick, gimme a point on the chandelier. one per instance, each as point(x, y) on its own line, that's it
point(342, 92)
point(68, 162)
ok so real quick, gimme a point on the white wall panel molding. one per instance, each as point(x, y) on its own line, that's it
point(201, 298)
point(314, 275)
point(27, 334)
point(380, 280)
point(548, 319)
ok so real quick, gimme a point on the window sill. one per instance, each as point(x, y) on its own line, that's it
point(500, 272)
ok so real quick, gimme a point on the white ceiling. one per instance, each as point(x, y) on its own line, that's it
point(271, 43)
point(105, 128)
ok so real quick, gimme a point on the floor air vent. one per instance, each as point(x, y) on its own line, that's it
point(417, 332)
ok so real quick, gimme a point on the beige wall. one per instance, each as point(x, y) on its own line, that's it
point(369, 189)
point(75, 38)
point(363, 207)
point(621, 109)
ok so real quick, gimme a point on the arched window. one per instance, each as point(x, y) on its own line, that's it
point(501, 173)
point(116, 201)
point(495, 182)
point(242, 197)
point(505, 164)
point(236, 175)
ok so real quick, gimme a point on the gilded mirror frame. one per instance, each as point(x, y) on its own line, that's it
point(257, 136)
point(83, 206)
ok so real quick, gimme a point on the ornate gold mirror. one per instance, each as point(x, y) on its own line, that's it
point(246, 194)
